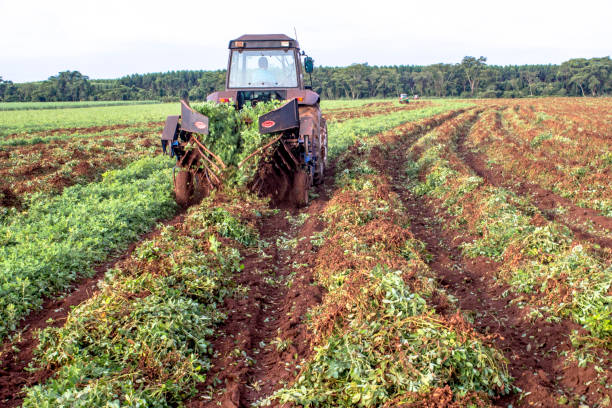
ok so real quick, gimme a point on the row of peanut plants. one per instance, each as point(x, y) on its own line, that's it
point(28, 171)
point(68, 135)
point(567, 155)
point(543, 163)
point(144, 338)
point(59, 239)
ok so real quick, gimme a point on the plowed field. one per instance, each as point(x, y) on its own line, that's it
point(457, 254)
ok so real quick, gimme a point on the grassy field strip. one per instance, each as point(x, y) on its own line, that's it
point(331, 105)
point(33, 121)
point(378, 339)
point(32, 139)
point(13, 106)
point(59, 240)
point(548, 269)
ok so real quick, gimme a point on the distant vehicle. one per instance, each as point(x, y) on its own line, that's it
point(404, 98)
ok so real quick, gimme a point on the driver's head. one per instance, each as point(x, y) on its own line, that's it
point(263, 63)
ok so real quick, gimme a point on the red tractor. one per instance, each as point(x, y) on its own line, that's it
point(260, 68)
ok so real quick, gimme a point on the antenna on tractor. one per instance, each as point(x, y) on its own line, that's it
point(295, 32)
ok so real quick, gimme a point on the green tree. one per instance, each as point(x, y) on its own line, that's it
point(472, 69)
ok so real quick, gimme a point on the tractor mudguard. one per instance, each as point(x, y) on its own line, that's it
point(284, 118)
point(170, 128)
point(192, 121)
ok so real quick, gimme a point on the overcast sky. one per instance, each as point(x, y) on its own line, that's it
point(111, 38)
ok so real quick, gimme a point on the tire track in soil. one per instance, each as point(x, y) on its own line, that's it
point(265, 338)
point(544, 199)
point(533, 349)
point(16, 356)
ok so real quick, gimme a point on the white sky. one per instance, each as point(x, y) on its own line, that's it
point(111, 38)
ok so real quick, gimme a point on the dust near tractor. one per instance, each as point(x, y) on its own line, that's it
point(261, 68)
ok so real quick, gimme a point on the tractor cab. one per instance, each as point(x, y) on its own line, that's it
point(264, 67)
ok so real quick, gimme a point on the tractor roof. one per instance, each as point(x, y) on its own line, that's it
point(263, 41)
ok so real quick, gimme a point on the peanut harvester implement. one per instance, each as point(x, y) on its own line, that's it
point(261, 68)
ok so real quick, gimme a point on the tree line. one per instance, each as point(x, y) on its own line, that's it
point(472, 77)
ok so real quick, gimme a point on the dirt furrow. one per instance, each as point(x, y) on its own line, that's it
point(17, 351)
point(534, 349)
point(262, 343)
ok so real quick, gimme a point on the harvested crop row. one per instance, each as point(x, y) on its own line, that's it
point(145, 337)
point(494, 154)
point(378, 338)
point(536, 253)
point(567, 161)
point(537, 351)
point(61, 135)
point(49, 168)
point(335, 105)
point(546, 271)
point(346, 133)
point(367, 111)
point(580, 117)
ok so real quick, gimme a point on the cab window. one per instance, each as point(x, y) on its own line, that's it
point(262, 69)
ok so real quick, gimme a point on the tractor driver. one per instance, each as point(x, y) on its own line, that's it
point(262, 75)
